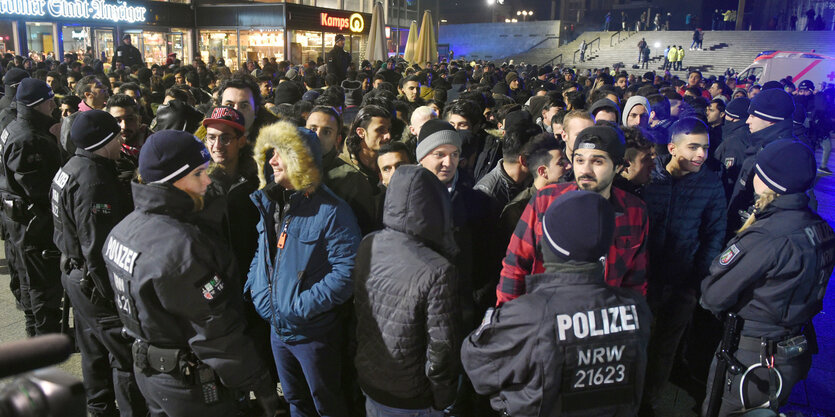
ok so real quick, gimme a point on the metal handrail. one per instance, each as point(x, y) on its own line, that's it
point(553, 59)
point(547, 38)
point(590, 44)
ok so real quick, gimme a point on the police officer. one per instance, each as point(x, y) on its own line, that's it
point(337, 59)
point(127, 54)
point(769, 119)
point(87, 201)
point(572, 345)
point(8, 106)
point(773, 275)
point(177, 291)
point(30, 158)
point(7, 115)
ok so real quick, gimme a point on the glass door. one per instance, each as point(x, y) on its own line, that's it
point(104, 44)
point(175, 45)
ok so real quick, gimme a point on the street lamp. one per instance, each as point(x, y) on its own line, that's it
point(524, 14)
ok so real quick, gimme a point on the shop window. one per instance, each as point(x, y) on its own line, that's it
point(355, 45)
point(307, 46)
point(353, 5)
point(40, 38)
point(219, 44)
point(154, 47)
point(330, 4)
point(76, 40)
point(260, 44)
point(7, 35)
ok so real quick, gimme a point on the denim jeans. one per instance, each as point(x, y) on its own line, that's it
point(375, 409)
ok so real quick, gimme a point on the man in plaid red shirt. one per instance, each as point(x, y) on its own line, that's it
point(598, 155)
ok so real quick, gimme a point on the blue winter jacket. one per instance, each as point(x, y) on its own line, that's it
point(686, 225)
point(298, 290)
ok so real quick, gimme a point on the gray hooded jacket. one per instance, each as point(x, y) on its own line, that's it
point(408, 317)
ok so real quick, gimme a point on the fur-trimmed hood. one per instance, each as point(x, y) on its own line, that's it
point(298, 147)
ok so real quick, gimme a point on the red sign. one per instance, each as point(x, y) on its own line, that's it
point(334, 22)
point(356, 23)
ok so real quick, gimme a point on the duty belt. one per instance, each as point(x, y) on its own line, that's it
point(152, 358)
point(784, 348)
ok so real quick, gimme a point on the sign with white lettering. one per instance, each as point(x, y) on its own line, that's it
point(301, 17)
point(355, 22)
point(74, 9)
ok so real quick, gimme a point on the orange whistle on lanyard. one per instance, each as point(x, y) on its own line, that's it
point(281, 240)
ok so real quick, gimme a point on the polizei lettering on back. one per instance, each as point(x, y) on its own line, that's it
point(121, 255)
point(593, 323)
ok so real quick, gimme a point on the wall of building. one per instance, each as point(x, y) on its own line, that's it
point(498, 40)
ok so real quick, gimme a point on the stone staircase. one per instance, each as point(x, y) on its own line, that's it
point(720, 50)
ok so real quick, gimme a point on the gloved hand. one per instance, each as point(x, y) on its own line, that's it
point(267, 395)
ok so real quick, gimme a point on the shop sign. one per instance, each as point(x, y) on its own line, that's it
point(355, 22)
point(75, 9)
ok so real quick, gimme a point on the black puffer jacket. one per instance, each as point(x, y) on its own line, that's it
point(408, 328)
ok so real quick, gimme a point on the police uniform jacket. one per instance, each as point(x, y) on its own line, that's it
point(338, 61)
point(731, 152)
point(7, 115)
point(773, 274)
point(30, 160)
point(128, 55)
point(572, 345)
point(742, 196)
point(175, 285)
point(87, 202)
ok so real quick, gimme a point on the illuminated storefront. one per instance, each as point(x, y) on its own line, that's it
point(312, 30)
point(251, 32)
point(92, 28)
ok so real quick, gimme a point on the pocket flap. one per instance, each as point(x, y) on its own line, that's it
point(163, 360)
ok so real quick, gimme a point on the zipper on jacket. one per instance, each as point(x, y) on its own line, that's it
point(273, 268)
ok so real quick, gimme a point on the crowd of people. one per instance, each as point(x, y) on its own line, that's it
point(453, 238)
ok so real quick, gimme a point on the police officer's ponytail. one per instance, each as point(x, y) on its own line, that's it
point(766, 198)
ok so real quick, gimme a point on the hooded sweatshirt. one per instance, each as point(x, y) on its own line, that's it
point(632, 102)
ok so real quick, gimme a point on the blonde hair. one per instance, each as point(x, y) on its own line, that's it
point(766, 198)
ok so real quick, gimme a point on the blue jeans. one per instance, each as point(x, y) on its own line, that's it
point(310, 374)
point(375, 409)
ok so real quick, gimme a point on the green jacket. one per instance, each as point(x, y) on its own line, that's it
point(357, 186)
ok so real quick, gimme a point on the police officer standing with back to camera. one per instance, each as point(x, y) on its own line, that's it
point(573, 345)
point(87, 201)
point(30, 159)
point(178, 293)
point(771, 277)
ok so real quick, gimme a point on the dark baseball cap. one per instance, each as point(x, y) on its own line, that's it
point(227, 116)
point(605, 138)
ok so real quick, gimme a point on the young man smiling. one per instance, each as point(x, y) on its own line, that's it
point(598, 156)
point(686, 206)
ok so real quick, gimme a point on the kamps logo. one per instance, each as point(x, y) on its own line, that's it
point(355, 22)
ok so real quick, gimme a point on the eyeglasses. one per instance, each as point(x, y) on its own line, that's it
point(224, 139)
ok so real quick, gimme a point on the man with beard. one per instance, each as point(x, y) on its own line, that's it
point(598, 156)
point(133, 133)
